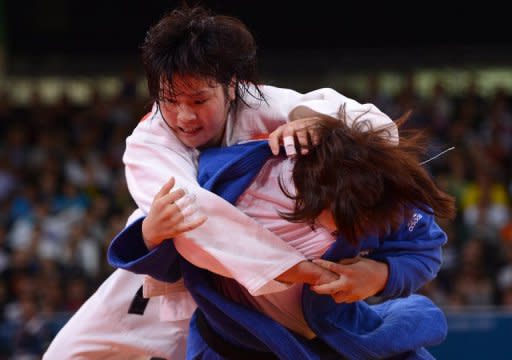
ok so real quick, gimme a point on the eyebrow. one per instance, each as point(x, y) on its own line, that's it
point(200, 92)
point(196, 93)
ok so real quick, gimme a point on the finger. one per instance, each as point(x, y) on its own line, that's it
point(170, 212)
point(303, 141)
point(175, 196)
point(340, 297)
point(314, 137)
point(274, 140)
point(172, 216)
point(344, 297)
point(193, 215)
point(164, 190)
point(289, 145)
point(186, 201)
point(350, 300)
point(329, 265)
point(192, 224)
point(349, 261)
point(330, 288)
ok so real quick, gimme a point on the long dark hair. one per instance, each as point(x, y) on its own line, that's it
point(370, 184)
point(192, 41)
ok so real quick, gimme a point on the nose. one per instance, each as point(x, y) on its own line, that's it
point(185, 114)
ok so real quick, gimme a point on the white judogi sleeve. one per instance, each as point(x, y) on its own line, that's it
point(284, 105)
point(229, 243)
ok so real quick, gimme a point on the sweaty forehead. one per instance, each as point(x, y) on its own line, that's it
point(187, 86)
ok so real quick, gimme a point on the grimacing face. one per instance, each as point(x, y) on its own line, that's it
point(198, 111)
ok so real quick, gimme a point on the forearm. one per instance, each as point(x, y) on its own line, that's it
point(380, 277)
point(307, 272)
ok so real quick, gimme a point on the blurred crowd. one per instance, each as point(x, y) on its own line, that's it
point(63, 197)
point(477, 260)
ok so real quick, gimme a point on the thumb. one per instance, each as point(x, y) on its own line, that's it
point(166, 188)
point(349, 261)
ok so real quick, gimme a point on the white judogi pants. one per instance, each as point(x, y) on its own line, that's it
point(103, 329)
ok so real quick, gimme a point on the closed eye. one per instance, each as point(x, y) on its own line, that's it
point(168, 103)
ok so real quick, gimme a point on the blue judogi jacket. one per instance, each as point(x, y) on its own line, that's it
point(398, 328)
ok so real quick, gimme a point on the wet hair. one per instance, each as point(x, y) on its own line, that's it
point(369, 183)
point(193, 42)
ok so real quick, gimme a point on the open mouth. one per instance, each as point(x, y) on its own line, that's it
point(190, 131)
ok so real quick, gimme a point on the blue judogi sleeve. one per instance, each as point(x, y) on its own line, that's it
point(128, 251)
point(413, 254)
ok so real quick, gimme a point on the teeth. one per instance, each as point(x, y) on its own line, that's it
point(190, 131)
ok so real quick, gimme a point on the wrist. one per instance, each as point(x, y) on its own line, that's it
point(147, 235)
point(382, 274)
point(294, 274)
point(307, 272)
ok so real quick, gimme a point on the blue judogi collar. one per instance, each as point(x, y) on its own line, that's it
point(228, 171)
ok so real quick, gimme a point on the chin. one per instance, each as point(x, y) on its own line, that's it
point(193, 143)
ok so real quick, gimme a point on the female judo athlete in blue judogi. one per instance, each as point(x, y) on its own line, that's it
point(381, 203)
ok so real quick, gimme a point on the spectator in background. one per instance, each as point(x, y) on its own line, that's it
point(485, 209)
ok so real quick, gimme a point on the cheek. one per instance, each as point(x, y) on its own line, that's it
point(213, 119)
point(169, 115)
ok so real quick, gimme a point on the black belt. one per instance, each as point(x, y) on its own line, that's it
point(226, 349)
point(139, 303)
